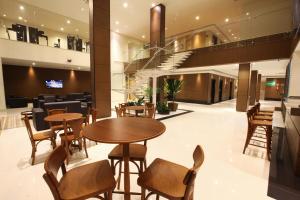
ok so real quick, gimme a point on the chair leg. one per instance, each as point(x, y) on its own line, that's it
point(53, 143)
point(157, 197)
point(84, 146)
point(145, 164)
point(33, 155)
point(112, 164)
point(109, 195)
point(249, 135)
point(120, 173)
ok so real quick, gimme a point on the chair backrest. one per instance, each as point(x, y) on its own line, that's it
point(29, 129)
point(119, 112)
point(94, 114)
point(75, 126)
point(122, 105)
point(150, 112)
point(53, 163)
point(56, 111)
point(190, 177)
point(149, 105)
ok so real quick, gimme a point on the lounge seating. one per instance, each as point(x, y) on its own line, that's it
point(79, 183)
point(17, 102)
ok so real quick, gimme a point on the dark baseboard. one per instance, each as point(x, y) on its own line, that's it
point(179, 114)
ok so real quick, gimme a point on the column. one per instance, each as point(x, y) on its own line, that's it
point(258, 85)
point(2, 90)
point(243, 87)
point(157, 26)
point(253, 85)
point(154, 90)
point(100, 56)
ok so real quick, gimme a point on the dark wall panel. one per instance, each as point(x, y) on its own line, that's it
point(30, 82)
point(274, 92)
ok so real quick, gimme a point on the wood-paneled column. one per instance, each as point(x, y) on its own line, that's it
point(100, 56)
point(258, 86)
point(157, 26)
point(243, 87)
point(253, 85)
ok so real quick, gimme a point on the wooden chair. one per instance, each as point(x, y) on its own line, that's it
point(73, 134)
point(56, 127)
point(150, 112)
point(35, 139)
point(119, 112)
point(87, 181)
point(261, 116)
point(253, 124)
point(259, 112)
point(137, 154)
point(170, 180)
point(265, 111)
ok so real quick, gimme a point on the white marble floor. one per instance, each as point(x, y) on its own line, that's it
point(219, 129)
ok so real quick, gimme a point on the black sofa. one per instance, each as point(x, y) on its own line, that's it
point(16, 102)
point(38, 114)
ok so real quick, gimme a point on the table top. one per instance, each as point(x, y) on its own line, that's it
point(63, 116)
point(135, 107)
point(124, 130)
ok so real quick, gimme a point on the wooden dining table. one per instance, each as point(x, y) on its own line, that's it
point(136, 109)
point(124, 131)
point(62, 116)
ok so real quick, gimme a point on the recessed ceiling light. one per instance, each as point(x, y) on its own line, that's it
point(33, 64)
point(76, 29)
point(82, 9)
point(42, 25)
point(21, 7)
point(227, 20)
point(235, 37)
point(117, 31)
point(247, 13)
point(153, 5)
point(25, 20)
point(232, 34)
point(68, 22)
point(4, 15)
point(20, 18)
point(117, 22)
point(62, 29)
point(125, 4)
point(197, 17)
point(143, 36)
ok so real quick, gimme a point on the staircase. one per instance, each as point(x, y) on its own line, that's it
point(175, 60)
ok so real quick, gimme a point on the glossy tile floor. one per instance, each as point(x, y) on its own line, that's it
point(225, 174)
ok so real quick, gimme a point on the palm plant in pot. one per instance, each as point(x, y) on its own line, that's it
point(172, 88)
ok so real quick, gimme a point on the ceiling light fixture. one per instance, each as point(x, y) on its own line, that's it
point(247, 13)
point(143, 36)
point(227, 20)
point(25, 20)
point(125, 4)
point(33, 64)
point(42, 25)
point(117, 31)
point(21, 7)
point(68, 22)
point(20, 18)
point(62, 29)
point(197, 17)
point(82, 9)
point(76, 29)
point(153, 5)
point(4, 15)
point(117, 22)
point(232, 34)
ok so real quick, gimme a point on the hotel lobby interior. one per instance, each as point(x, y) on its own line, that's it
point(151, 99)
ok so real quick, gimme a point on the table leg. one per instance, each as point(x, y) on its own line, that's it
point(126, 172)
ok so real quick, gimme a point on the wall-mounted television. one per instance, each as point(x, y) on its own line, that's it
point(54, 83)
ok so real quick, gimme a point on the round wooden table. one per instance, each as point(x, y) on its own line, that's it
point(63, 116)
point(124, 131)
point(135, 108)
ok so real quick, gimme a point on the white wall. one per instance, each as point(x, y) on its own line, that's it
point(2, 92)
point(294, 85)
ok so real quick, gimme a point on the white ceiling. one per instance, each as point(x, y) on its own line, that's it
point(265, 16)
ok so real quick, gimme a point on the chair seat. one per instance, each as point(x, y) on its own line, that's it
point(261, 122)
point(42, 136)
point(265, 113)
point(57, 127)
point(136, 152)
point(164, 178)
point(262, 117)
point(87, 181)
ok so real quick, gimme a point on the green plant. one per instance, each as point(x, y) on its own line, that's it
point(172, 87)
point(162, 107)
point(140, 101)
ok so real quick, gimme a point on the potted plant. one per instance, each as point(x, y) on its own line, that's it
point(173, 87)
point(149, 92)
point(162, 108)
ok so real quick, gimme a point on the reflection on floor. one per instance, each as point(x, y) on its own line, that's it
point(225, 174)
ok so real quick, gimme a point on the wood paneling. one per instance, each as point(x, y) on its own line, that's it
point(253, 85)
point(30, 82)
point(243, 87)
point(274, 92)
point(157, 26)
point(100, 56)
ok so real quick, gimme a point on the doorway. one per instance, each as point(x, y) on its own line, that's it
point(230, 90)
point(220, 90)
point(213, 91)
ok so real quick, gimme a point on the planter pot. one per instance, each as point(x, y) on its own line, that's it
point(164, 112)
point(173, 106)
